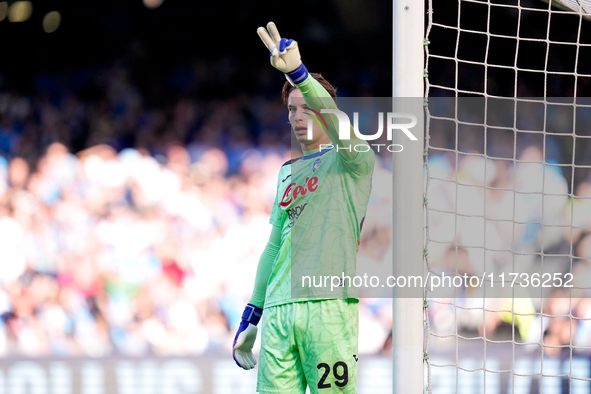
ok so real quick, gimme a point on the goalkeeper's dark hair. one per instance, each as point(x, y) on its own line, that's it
point(288, 88)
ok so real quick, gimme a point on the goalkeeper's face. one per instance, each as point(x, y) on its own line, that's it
point(299, 113)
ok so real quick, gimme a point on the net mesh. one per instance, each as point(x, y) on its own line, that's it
point(508, 189)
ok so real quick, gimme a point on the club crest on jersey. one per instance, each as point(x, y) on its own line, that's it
point(294, 191)
point(316, 164)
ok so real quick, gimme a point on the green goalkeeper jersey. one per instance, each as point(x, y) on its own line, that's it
point(320, 205)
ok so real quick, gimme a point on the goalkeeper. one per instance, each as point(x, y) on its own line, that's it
point(309, 338)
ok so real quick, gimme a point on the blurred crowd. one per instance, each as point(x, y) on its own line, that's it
point(511, 213)
point(128, 228)
point(146, 240)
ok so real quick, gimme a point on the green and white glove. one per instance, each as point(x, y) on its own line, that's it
point(285, 54)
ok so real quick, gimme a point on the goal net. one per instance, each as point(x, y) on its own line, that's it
point(508, 196)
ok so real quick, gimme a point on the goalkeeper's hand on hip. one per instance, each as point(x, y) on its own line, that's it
point(285, 54)
point(245, 337)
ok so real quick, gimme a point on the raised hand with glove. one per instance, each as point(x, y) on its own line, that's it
point(285, 54)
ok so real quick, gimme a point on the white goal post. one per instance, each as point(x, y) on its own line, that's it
point(407, 174)
point(583, 6)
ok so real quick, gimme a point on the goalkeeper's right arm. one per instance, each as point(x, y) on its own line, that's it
point(247, 331)
point(265, 267)
point(285, 57)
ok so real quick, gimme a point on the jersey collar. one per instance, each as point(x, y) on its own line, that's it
point(316, 152)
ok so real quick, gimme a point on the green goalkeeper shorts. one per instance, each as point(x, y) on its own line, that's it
point(311, 343)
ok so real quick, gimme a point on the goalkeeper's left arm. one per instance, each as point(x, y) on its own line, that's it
point(285, 56)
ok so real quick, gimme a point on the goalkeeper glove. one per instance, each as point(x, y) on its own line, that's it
point(285, 55)
point(245, 337)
